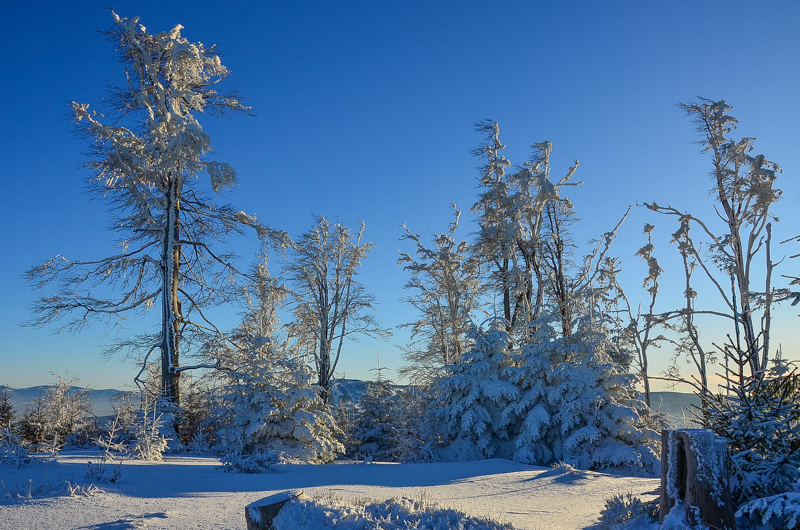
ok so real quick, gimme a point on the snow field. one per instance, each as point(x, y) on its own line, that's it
point(190, 492)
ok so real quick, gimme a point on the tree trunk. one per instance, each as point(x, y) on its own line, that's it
point(170, 307)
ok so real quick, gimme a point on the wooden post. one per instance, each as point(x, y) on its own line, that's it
point(694, 474)
point(259, 515)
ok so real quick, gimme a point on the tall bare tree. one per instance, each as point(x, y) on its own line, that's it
point(513, 210)
point(446, 289)
point(744, 191)
point(329, 302)
point(146, 160)
point(494, 244)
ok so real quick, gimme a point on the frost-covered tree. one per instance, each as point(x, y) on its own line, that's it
point(494, 243)
point(535, 201)
point(475, 395)
point(417, 431)
point(150, 431)
point(329, 304)
point(269, 407)
point(577, 405)
point(513, 211)
point(60, 410)
point(147, 157)
point(640, 330)
point(67, 408)
point(445, 285)
point(6, 408)
point(375, 430)
point(277, 413)
point(761, 421)
point(744, 192)
point(258, 335)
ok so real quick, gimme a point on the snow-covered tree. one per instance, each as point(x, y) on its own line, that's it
point(417, 433)
point(577, 405)
point(269, 408)
point(761, 421)
point(534, 203)
point(744, 192)
point(375, 430)
point(6, 408)
point(58, 412)
point(640, 330)
point(495, 244)
point(446, 287)
point(329, 303)
point(514, 211)
point(277, 413)
point(147, 157)
point(67, 408)
point(474, 397)
point(151, 430)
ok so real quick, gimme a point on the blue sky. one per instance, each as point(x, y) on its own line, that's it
point(365, 110)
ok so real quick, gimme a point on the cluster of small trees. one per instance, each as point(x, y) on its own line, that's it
point(554, 374)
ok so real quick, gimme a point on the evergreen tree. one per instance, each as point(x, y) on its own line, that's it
point(276, 413)
point(376, 431)
point(6, 408)
point(475, 397)
point(761, 421)
point(578, 406)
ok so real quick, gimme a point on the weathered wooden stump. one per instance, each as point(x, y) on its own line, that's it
point(694, 472)
point(259, 515)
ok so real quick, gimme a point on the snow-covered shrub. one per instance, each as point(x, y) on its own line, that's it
point(148, 439)
point(776, 511)
point(627, 512)
point(48, 489)
point(12, 450)
point(393, 513)
point(258, 461)
point(280, 411)
point(474, 396)
point(105, 471)
point(115, 435)
point(62, 413)
point(761, 421)
point(375, 428)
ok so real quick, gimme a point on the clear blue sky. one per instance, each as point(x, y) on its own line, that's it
point(365, 110)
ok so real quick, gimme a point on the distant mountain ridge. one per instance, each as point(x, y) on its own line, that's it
point(673, 404)
point(101, 399)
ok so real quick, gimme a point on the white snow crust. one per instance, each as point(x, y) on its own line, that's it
point(193, 492)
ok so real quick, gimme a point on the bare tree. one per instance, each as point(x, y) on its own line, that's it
point(329, 303)
point(513, 209)
point(534, 195)
point(743, 189)
point(446, 286)
point(493, 244)
point(580, 294)
point(641, 328)
point(145, 163)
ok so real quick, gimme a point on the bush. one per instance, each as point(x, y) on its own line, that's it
point(625, 511)
point(761, 422)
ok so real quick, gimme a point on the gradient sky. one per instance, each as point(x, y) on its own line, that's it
point(365, 110)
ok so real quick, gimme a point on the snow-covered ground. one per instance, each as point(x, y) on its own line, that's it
point(193, 492)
